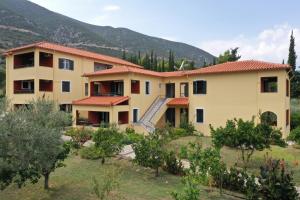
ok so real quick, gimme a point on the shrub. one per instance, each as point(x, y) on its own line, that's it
point(188, 127)
point(130, 136)
point(80, 135)
point(92, 153)
point(183, 152)
point(109, 141)
point(191, 190)
point(172, 164)
point(295, 135)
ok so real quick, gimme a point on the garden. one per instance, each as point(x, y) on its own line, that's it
point(241, 160)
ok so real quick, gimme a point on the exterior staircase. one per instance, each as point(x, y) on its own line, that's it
point(146, 120)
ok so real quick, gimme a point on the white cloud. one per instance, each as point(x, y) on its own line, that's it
point(111, 8)
point(270, 44)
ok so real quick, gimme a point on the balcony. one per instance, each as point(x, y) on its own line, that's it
point(46, 59)
point(24, 60)
point(107, 88)
point(45, 85)
point(24, 87)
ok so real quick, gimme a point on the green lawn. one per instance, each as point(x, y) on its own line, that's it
point(231, 156)
point(74, 182)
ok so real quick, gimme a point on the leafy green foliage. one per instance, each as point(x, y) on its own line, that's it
point(191, 190)
point(295, 120)
point(246, 136)
point(276, 182)
point(172, 164)
point(110, 183)
point(149, 151)
point(130, 136)
point(292, 53)
point(229, 56)
point(80, 135)
point(108, 141)
point(91, 153)
point(295, 135)
point(31, 144)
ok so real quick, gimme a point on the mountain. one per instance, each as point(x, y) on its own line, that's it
point(23, 22)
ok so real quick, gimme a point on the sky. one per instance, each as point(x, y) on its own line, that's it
point(260, 28)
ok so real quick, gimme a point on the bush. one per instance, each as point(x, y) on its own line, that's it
point(188, 127)
point(172, 164)
point(295, 120)
point(92, 153)
point(109, 141)
point(80, 135)
point(130, 136)
point(295, 135)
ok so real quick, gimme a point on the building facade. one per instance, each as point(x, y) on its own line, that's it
point(110, 90)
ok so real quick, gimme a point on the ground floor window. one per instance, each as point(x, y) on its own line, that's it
point(199, 115)
point(269, 118)
point(123, 117)
point(170, 116)
point(184, 116)
point(65, 107)
point(135, 115)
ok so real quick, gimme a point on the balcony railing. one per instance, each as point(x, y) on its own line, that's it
point(109, 94)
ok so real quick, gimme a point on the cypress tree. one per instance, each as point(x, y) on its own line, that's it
point(292, 53)
point(123, 55)
point(163, 65)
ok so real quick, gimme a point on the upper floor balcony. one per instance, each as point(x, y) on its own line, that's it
point(107, 88)
point(28, 59)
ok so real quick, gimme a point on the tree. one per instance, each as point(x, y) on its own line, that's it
point(191, 190)
point(108, 141)
point(149, 151)
point(31, 144)
point(123, 55)
point(229, 55)
point(246, 136)
point(171, 61)
point(292, 53)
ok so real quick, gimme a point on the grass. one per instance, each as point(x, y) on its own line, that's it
point(75, 182)
point(231, 156)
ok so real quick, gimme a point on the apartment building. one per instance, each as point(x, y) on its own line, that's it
point(52, 71)
point(105, 90)
point(208, 96)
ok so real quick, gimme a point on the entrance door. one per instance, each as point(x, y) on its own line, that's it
point(184, 89)
point(104, 118)
point(170, 116)
point(184, 115)
point(170, 90)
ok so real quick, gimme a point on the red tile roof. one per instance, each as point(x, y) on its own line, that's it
point(229, 67)
point(74, 51)
point(101, 101)
point(183, 101)
point(239, 66)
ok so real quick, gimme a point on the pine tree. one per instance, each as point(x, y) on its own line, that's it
point(292, 53)
point(123, 55)
point(139, 57)
point(163, 65)
point(151, 60)
point(282, 61)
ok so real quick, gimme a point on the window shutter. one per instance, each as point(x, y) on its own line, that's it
point(71, 62)
point(204, 87)
point(195, 87)
point(60, 63)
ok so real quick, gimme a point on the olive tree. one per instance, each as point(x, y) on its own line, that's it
point(246, 136)
point(31, 144)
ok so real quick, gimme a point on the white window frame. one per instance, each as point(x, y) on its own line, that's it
point(66, 65)
point(199, 108)
point(138, 114)
point(29, 85)
point(62, 86)
point(146, 87)
point(193, 87)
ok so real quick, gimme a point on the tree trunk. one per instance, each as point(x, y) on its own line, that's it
point(46, 183)
point(156, 172)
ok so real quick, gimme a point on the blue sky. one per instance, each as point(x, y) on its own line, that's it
point(260, 28)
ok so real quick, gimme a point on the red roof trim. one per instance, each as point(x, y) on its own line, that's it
point(73, 51)
point(183, 101)
point(100, 101)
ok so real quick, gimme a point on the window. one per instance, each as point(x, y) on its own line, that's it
point(66, 64)
point(123, 117)
point(147, 87)
point(66, 86)
point(46, 59)
point(86, 89)
point(101, 66)
point(24, 60)
point(269, 118)
point(26, 85)
point(268, 84)
point(287, 116)
point(199, 87)
point(199, 115)
point(135, 87)
point(135, 115)
point(287, 88)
